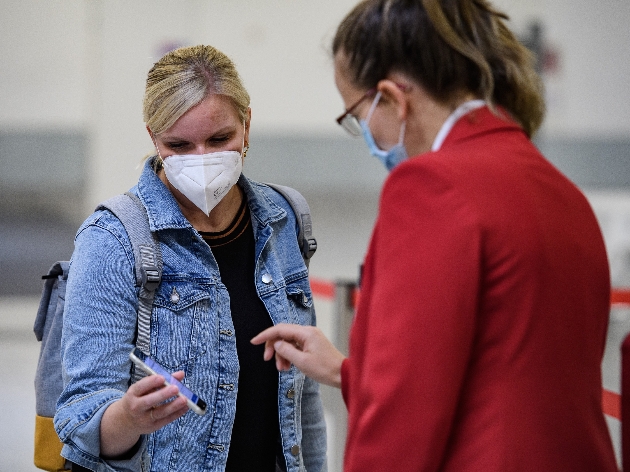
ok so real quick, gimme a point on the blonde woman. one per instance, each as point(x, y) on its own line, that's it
point(231, 267)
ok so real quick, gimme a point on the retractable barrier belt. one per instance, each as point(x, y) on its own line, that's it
point(611, 401)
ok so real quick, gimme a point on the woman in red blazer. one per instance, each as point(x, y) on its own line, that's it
point(478, 339)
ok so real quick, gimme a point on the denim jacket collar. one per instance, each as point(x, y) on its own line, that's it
point(164, 211)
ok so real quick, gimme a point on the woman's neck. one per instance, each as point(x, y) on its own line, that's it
point(426, 118)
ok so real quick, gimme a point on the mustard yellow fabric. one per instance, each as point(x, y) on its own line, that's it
point(48, 446)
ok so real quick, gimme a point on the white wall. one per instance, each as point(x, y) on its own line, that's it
point(42, 64)
point(588, 95)
point(82, 64)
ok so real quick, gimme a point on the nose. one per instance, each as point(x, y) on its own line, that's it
point(202, 148)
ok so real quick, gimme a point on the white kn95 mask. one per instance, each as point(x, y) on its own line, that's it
point(204, 178)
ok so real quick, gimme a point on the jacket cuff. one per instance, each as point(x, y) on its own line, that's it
point(78, 425)
point(133, 464)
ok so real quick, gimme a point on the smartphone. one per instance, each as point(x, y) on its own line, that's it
point(147, 364)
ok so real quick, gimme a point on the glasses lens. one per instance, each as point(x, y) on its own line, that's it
point(351, 125)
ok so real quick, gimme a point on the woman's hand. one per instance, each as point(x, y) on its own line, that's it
point(141, 410)
point(307, 348)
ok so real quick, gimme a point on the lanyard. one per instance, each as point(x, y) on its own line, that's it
point(460, 111)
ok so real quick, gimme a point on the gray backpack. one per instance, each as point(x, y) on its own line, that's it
point(148, 270)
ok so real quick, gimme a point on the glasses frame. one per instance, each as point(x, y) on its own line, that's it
point(355, 128)
point(348, 113)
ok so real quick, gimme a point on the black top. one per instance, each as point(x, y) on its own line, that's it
point(256, 426)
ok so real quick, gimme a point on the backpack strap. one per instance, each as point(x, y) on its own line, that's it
point(306, 241)
point(131, 212)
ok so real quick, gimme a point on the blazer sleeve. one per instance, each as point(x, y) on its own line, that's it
point(414, 329)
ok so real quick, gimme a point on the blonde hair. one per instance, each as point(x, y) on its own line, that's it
point(184, 77)
point(448, 46)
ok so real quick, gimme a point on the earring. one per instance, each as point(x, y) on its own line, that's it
point(245, 150)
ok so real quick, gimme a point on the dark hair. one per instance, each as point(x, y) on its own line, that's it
point(447, 46)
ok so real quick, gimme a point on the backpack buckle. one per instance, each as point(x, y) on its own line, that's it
point(150, 278)
point(312, 247)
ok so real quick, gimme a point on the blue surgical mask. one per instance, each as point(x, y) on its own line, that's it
point(392, 157)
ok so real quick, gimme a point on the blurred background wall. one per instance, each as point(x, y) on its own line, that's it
point(72, 77)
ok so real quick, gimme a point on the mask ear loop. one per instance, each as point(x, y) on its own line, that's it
point(159, 162)
point(373, 107)
point(245, 145)
point(401, 137)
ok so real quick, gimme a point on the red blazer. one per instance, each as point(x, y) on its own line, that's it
point(479, 335)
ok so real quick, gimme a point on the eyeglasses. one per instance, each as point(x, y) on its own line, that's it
point(348, 121)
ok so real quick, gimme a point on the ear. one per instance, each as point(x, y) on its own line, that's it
point(152, 136)
point(248, 121)
point(396, 94)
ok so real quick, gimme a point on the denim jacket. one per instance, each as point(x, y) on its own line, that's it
point(192, 332)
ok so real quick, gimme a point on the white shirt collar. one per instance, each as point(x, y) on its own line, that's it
point(460, 111)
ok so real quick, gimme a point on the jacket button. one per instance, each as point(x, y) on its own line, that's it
point(266, 278)
point(295, 450)
point(174, 296)
point(290, 393)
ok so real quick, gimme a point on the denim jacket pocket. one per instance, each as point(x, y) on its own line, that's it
point(301, 301)
point(179, 322)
